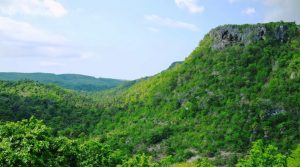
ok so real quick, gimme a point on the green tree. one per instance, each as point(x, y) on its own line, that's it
point(139, 161)
point(204, 163)
point(261, 155)
point(28, 143)
point(94, 154)
point(294, 159)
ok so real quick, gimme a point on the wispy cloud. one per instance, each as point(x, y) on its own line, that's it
point(32, 7)
point(167, 22)
point(21, 39)
point(249, 11)
point(14, 30)
point(190, 5)
point(286, 10)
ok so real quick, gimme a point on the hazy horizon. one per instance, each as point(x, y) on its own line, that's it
point(117, 39)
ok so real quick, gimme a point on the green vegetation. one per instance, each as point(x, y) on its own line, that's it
point(294, 159)
point(68, 81)
point(204, 163)
point(67, 112)
point(215, 104)
point(139, 160)
point(30, 143)
point(261, 155)
point(208, 111)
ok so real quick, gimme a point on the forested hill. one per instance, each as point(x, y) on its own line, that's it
point(239, 88)
point(67, 112)
point(68, 81)
point(239, 85)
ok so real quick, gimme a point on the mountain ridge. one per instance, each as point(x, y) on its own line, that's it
point(70, 81)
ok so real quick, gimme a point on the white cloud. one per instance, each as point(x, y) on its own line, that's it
point(22, 31)
point(21, 39)
point(167, 22)
point(190, 5)
point(249, 11)
point(32, 7)
point(286, 10)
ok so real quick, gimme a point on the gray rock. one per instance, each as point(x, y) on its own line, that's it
point(229, 35)
point(281, 33)
point(261, 33)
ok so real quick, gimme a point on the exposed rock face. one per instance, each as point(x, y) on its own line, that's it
point(281, 33)
point(228, 35)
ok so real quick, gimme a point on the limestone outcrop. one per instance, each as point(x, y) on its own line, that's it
point(229, 35)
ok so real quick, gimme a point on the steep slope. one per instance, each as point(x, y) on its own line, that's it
point(68, 81)
point(239, 85)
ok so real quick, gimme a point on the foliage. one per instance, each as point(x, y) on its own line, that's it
point(215, 100)
point(261, 156)
point(30, 143)
point(214, 104)
point(204, 163)
point(294, 159)
point(184, 164)
point(93, 154)
point(67, 112)
point(139, 161)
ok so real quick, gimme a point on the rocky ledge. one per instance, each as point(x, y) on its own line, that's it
point(243, 35)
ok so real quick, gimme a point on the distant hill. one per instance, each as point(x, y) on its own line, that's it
point(68, 81)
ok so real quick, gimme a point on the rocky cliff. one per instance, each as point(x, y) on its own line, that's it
point(228, 35)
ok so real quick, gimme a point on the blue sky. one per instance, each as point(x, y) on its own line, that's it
point(117, 38)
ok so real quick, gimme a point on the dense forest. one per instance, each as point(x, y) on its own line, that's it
point(233, 102)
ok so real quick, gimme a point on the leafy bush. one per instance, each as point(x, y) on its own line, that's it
point(262, 155)
point(30, 143)
point(204, 163)
point(139, 161)
point(294, 159)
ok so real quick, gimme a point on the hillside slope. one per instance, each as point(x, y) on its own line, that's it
point(67, 112)
point(239, 85)
point(68, 81)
